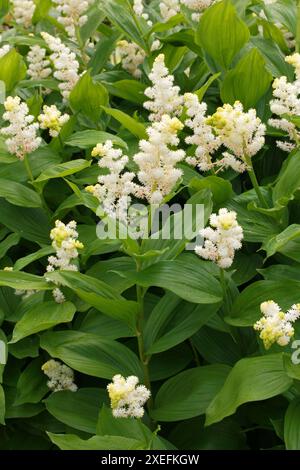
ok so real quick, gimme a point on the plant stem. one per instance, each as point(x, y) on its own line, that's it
point(254, 182)
point(36, 186)
point(140, 339)
point(28, 168)
point(298, 27)
point(224, 289)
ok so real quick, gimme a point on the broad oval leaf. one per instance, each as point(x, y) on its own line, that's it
point(91, 355)
point(291, 425)
point(189, 393)
point(42, 317)
point(78, 410)
point(251, 379)
point(222, 47)
point(63, 169)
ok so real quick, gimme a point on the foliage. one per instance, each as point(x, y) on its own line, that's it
point(147, 308)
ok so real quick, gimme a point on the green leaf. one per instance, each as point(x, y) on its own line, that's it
point(245, 266)
point(222, 47)
point(12, 69)
point(31, 224)
point(41, 10)
point(280, 241)
point(246, 308)
point(103, 51)
point(39, 319)
point(121, 14)
point(87, 139)
point(72, 442)
point(257, 227)
point(191, 219)
point(79, 410)
point(18, 194)
point(21, 263)
point(220, 188)
point(288, 181)
point(189, 393)
point(91, 355)
point(130, 90)
point(98, 294)
point(31, 386)
point(201, 92)
point(2, 405)
point(10, 241)
point(22, 281)
point(185, 277)
point(248, 81)
point(251, 379)
point(88, 96)
point(63, 169)
point(291, 425)
point(172, 321)
point(135, 127)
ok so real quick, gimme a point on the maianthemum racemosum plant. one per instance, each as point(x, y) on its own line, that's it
point(112, 112)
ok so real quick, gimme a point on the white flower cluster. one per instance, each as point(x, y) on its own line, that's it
point(287, 101)
point(72, 14)
point(4, 50)
point(65, 64)
point(61, 376)
point(169, 8)
point(197, 6)
point(39, 66)
point(114, 189)
point(23, 11)
point(127, 397)
point(157, 161)
point(138, 8)
point(52, 119)
point(131, 56)
point(275, 326)
point(164, 96)
point(64, 241)
point(22, 131)
point(242, 133)
point(203, 136)
point(222, 238)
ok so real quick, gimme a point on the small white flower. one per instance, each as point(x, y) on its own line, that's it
point(72, 14)
point(138, 8)
point(169, 8)
point(23, 11)
point(275, 326)
point(157, 161)
point(197, 5)
point(164, 96)
point(287, 101)
point(4, 50)
point(65, 64)
point(203, 136)
point(114, 189)
point(61, 376)
point(58, 296)
point(131, 56)
point(39, 66)
point(222, 239)
point(22, 131)
point(52, 119)
point(64, 241)
point(241, 132)
point(127, 397)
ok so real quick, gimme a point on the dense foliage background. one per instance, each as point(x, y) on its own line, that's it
point(148, 309)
